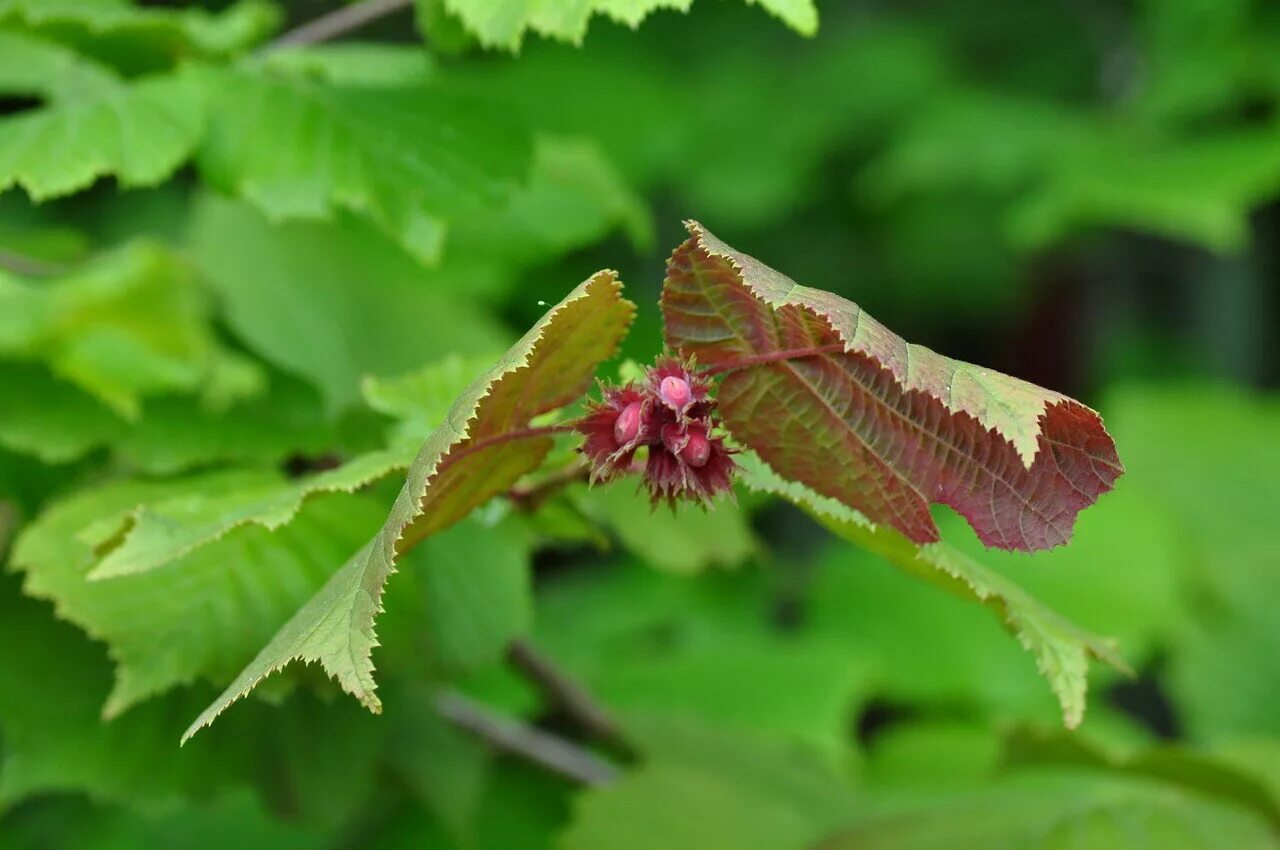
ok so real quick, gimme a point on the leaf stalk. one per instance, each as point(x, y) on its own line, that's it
point(770, 357)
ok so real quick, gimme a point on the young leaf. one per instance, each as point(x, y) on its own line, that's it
point(408, 156)
point(884, 426)
point(462, 465)
point(93, 124)
point(503, 23)
point(1062, 649)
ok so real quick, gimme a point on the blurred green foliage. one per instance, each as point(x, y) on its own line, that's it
point(240, 283)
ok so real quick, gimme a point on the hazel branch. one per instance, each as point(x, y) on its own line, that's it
point(339, 22)
point(565, 692)
point(531, 496)
point(510, 735)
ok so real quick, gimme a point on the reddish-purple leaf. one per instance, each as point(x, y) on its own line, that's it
point(882, 425)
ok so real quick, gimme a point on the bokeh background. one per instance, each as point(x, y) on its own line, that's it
point(1082, 194)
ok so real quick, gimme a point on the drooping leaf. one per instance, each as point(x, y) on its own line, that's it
point(1061, 648)
point(128, 324)
point(884, 426)
point(503, 23)
point(333, 302)
point(410, 157)
point(1055, 811)
point(94, 123)
point(459, 468)
point(203, 615)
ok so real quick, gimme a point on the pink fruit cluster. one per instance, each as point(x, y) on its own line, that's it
point(670, 415)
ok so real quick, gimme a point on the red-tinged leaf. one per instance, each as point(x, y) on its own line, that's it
point(462, 465)
point(882, 425)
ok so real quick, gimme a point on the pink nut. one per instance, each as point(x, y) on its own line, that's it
point(696, 451)
point(675, 392)
point(627, 425)
point(690, 446)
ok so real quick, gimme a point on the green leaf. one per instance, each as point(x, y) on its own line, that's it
point(232, 816)
point(684, 541)
point(128, 324)
point(1061, 649)
point(94, 123)
point(357, 63)
point(282, 286)
point(204, 614)
point(1219, 497)
point(1197, 771)
point(1198, 190)
point(49, 418)
point(1057, 810)
point(705, 648)
point(410, 157)
point(34, 66)
point(931, 754)
point(574, 198)
point(706, 789)
point(421, 399)
point(159, 532)
point(457, 470)
point(144, 36)
point(884, 426)
point(176, 434)
point(55, 739)
point(503, 23)
point(468, 591)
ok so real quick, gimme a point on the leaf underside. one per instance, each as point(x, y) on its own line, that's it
point(456, 471)
point(884, 426)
